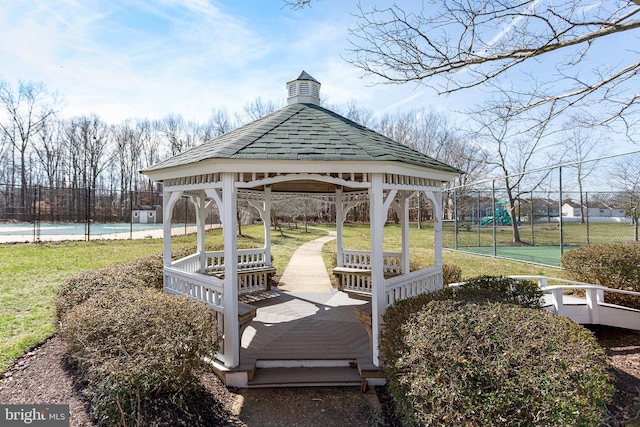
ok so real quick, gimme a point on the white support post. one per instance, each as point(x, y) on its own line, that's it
point(339, 226)
point(437, 230)
point(201, 221)
point(404, 203)
point(377, 215)
point(594, 307)
point(436, 201)
point(558, 301)
point(169, 199)
point(231, 356)
point(266, 220)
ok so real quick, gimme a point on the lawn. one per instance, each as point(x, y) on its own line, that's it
point(31, 273)
point(543, 234)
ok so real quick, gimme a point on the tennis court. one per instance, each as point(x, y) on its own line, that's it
point(544, 255)
point(43, 232)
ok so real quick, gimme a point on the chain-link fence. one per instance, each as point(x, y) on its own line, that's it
point(38, 210)
point(540, 215)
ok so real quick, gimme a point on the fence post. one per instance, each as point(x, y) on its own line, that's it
point(586, 202)
point(130, 214)
point(592, 303)
point(88, 213)
point(455, 219)
point(493, 215)
point(560, 210)
point(532, 219)
point(479, 224)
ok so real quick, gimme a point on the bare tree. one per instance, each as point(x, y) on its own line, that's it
point(50, 151)
point(220, 123)
point(88, 139)
point(26, 108)
point(129, 138)
point(258, 109)
point(434, 134)
point(460, 44)
point(627, 174)
point(170, 127)
point(514, 147)
point(580, 147)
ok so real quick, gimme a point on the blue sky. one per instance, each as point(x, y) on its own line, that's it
point(145, 59)
point(135, 58)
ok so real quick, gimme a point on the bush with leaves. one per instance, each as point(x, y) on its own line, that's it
point(523, 293)
point(496, 364)
point(142, 272)
point(612, 265)
point(479, 289)
point(484, 354)
point(132, 345)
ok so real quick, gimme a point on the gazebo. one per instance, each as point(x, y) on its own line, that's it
point(301, 150)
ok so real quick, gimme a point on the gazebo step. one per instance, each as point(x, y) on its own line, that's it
point(306, 376)
point(368, 370)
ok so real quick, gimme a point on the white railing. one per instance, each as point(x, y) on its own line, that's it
point(189, 263)
point(356, 281)
point(201, 287)
point(253, 271)
point(413, 284)
point(362, 260)
point(194, 285)
point(589, 310)
point(247, 258)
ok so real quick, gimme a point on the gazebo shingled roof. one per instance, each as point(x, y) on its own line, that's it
point(304, 132)
point(301, 149)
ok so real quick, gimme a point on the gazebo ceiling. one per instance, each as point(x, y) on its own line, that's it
point(305, 186)
point(300, 132)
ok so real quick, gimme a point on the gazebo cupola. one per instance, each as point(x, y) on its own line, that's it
point(300, 152)
point(303, 90)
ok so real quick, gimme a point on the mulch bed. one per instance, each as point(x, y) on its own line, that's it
point(44, 376)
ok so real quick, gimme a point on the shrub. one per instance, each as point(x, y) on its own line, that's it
point(134, 345)
point(451, 273)
point(478, 289)
point(497, 364)
point(142, 272)
point(523, 293)
point(612, 265)
point(615, 266)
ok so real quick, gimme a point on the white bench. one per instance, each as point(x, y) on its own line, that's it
point(352, 279)
point(250, 279)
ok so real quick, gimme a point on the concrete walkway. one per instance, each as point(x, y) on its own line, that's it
point(306, 271)
point(305, 318)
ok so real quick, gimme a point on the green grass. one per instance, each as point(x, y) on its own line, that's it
point(356, 236)
point(31, 273)
point(544, 234)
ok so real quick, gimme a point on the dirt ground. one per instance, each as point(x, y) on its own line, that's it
point(44, 376)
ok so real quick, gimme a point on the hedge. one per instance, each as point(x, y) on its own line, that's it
point(134, 345)
point(485, 354)
point(496, 364)
point(615, 266)
point(143, 272)
point(612, 265)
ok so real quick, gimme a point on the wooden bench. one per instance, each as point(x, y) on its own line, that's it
point(362, 277)
point(251, 279)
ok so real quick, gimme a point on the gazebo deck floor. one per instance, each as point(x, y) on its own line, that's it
point(296, 332)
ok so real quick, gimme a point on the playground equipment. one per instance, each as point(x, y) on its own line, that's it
point(501, 215)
